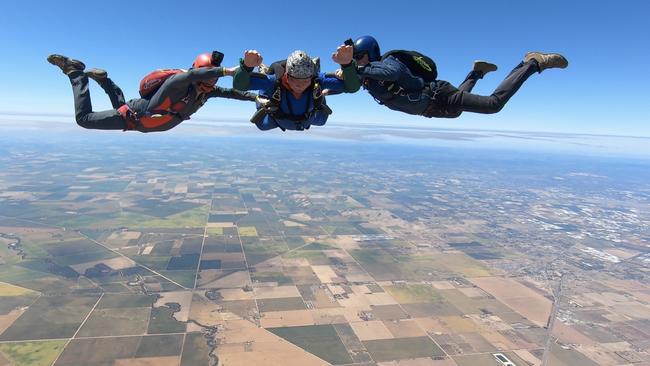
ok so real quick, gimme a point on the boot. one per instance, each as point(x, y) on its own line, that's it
point(547, 60)
point(97, 74)
point(483, 67)
point(67, 65)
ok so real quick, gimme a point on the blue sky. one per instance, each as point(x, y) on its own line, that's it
point(604, 90)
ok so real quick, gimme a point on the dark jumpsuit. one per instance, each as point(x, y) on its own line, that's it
point(439, 98)
point(177, 88)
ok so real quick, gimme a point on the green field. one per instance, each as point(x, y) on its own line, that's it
point(195, 217)
point(113, 322)
point(413, 293)
point(111, 301)
point(32, 353)
point(321, 340)
point(195, 350)
point(182, 277)
point(98, 351)
point(50, 317)
point(283, 304)
point(315, 257)
point(162, 321)
point(160, 346)
point(278, 277)
point(402, 348)
point(247, 231)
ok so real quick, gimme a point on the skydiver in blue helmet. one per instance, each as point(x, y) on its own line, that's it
point(407, 81)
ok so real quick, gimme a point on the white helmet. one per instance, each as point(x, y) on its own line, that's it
point(300, 65)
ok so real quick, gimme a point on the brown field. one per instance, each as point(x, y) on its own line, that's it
point(405, 328)
point(8, 319)
point(518, 297)
point(149, 361)
point(569, 334)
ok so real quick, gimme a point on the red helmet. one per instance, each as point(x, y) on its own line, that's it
point(202, 60)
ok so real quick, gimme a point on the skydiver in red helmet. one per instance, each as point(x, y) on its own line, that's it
point(168, 97)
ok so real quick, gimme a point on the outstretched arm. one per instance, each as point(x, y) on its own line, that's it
point(380, 70)
point(199, 74)
point(343, 57)
point(228, 93)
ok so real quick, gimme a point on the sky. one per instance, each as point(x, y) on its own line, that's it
point(604, 90)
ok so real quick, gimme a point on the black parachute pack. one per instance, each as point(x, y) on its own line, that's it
point(419, 64)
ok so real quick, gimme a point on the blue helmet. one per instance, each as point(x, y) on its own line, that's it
point(369, 45)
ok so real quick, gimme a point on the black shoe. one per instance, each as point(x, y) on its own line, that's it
point(67, 65)
point(547, 60)
point(484, 67)
point(97, 74)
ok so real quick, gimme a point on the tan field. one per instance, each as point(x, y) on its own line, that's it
point(355, 301)
point(207, 312)
point(473, 292)
point(498, 341)
point(295, 262)
point(528, 357)
point(115, 264)
point(442, 285)
point(288, 223)
point(264, 348)
point(292, 318)
point(404, 328)
point(324, 273)
point(231, 294)
point(448, 324)
point(518, 297)
point(209, 279)
point(7, 289)
point(370, 330)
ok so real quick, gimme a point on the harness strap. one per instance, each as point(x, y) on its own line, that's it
point(130, 117)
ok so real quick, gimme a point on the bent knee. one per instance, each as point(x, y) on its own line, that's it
point(82, 121)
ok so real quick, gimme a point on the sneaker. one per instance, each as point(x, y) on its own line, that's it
point(67, 65)
point(547, 60)
point(484, 67)
point(97, 74)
